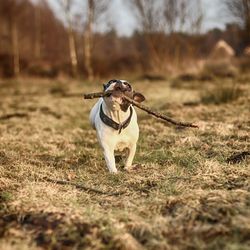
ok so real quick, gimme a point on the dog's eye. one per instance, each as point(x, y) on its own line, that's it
point(128, 85)
point(112, 81)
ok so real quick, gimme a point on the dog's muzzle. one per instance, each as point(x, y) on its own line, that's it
point(119, 86)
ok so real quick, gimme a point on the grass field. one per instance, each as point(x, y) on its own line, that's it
point(186, 193)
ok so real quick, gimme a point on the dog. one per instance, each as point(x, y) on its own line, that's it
point(115, 122)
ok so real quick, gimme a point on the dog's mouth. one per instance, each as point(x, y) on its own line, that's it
point(119, 88)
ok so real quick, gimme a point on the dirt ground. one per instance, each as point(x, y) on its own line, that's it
point(189, 191)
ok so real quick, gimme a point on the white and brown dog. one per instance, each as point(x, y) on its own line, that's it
point(115, 122)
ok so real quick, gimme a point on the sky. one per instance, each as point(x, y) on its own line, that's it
point(125, 23)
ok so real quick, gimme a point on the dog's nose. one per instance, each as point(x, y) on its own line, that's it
point(119, 86)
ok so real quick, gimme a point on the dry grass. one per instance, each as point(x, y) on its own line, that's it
point(184, 196)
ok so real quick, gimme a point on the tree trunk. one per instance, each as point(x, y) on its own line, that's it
point(246, 4)
point(1, 35)
point(72, 51)
point(88, 41)
point(37, 33)
point(15, 47)
point(67, 5)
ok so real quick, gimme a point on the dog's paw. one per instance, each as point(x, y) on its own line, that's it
point(134, 167)
point(113, 171)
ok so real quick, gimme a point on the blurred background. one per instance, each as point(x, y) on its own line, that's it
point(190, 187)
point(151, 39)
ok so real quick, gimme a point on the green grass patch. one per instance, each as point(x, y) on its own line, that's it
point(221, 95)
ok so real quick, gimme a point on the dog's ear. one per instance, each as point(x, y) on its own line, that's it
point(105, 86)
point(138, 97)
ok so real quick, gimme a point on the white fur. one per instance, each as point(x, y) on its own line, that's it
point(109, 138)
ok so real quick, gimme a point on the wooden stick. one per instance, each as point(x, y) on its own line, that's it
point(159, 115)
point(144, 108)
point(97, 95)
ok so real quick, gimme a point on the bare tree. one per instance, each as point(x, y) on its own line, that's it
point(183, 15)
point(15, 46)
point(66, 6)
point(10, 10)
point(37, 48)
point(171, 14)
point(88, 41)
point(168, 15)
point(95, 10)
point(149, 17)
point(157, 18)
point(240, 11)
point(148, 13)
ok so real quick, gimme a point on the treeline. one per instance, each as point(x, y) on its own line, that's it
point(29, 35)
point(34, 41)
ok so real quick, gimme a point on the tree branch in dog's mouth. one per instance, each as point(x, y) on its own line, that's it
point(142, 107)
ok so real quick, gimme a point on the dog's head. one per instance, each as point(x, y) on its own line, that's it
point(115, 101)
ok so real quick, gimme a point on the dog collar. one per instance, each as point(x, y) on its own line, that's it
point(109, 122)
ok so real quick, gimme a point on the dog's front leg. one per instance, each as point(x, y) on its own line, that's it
point(130, 158)
point(110, 159)
point(108, 147)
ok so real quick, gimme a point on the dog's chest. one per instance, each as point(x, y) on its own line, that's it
point(124, 141)
point(121, 146)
